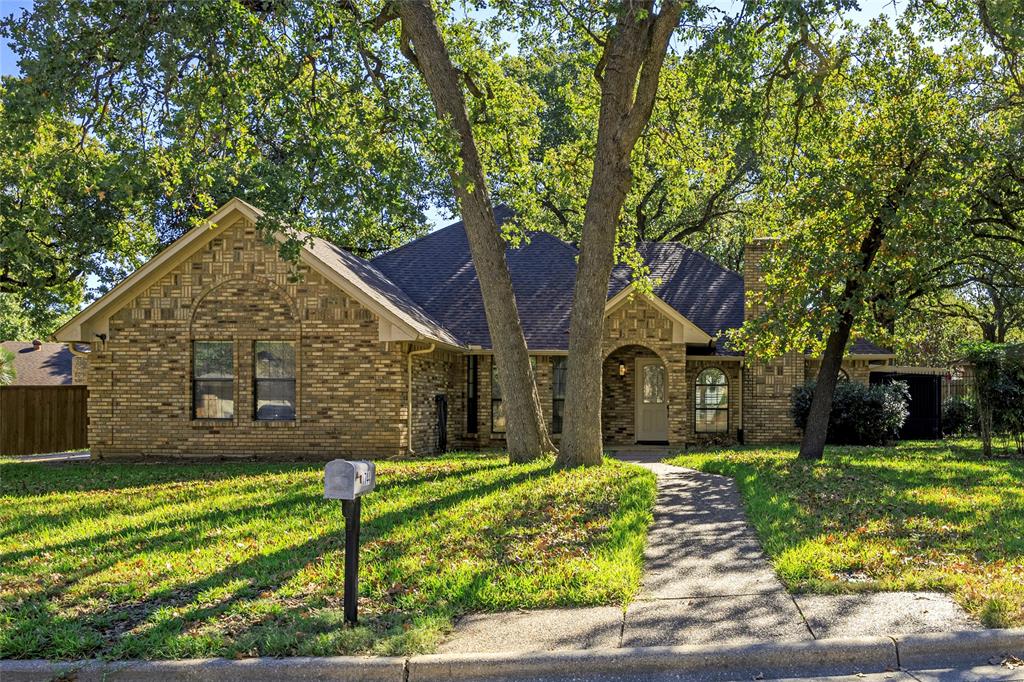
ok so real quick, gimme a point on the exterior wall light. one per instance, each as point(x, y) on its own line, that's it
point(622, 368)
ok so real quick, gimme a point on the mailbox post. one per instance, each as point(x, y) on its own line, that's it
point(349, 481)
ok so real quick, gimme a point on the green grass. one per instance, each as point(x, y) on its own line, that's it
point(916, 516)
point(245, 559)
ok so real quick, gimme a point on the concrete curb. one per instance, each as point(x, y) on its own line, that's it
point(339, 668)
point(770, 659)
point(867, 654)
point(972, 647)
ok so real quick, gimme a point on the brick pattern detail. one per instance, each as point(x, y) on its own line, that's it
point(350, 387)
point(636, 322)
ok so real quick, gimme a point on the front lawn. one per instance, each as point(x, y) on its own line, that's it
point(916, 516)
point(246, 559)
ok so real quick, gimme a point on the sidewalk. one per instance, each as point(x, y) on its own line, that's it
point(921, 658)
point(706, 581)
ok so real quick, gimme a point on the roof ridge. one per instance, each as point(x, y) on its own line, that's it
point(561, 242)
point(701, 254)
point(429, 234)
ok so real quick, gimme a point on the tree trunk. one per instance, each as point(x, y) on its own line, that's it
point(526, 433)
point(812, 446)
point(582, 442)
point(633, 56)
point(816, 432)
point(998, 317)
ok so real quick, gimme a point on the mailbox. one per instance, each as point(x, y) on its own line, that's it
point(345, 480)
point(349, 481)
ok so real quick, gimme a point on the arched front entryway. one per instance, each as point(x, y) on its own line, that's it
point(634, 407)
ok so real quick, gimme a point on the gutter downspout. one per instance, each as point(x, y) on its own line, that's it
point(422, 351)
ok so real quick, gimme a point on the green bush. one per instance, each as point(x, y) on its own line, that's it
point(999, 391)
point(959, 417)
point(861, 415)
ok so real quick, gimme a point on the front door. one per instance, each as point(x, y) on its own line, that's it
point(651, 400)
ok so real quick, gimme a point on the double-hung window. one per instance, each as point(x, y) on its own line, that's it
point(559, 368)
point(274, 380)
point(497, 404)
point(213, 380)
point(712, 402)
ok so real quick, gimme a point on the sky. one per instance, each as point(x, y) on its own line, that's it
point(869, 9)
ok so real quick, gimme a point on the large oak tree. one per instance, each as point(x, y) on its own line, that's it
point(348, 118)
point(872, 197)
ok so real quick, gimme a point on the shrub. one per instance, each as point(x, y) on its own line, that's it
point(959, 417)
point(861, 415)
point(999, 391)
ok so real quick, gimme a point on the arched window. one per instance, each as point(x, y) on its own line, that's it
point(712, 402)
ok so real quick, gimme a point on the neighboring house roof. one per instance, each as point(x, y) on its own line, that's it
point(49, 365)
point(864, 347)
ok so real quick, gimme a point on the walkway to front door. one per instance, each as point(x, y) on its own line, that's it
point(706, 580)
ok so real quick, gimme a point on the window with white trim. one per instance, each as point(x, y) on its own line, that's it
point(711, 402)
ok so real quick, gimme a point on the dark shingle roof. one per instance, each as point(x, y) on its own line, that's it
point(50, 365)
point(437, 272)
point(865, 347)
point(703, 291)
point(374, 283)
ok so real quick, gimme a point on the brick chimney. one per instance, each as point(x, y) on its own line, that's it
point(767, 384)
point(753, 278)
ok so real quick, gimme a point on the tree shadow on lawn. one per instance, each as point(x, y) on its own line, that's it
point(792, 502)
point(156, 627)
point(155, 485)
point(27, 479)
point(162, 534)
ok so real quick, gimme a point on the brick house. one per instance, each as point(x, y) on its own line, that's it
point(216, 348)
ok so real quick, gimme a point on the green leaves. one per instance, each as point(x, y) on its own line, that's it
point(67, 208)
point(893, 146)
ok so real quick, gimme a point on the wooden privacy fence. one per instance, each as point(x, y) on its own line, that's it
point(37, 419)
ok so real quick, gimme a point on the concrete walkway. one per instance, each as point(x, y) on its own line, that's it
point(55, 457)
point(706, 580)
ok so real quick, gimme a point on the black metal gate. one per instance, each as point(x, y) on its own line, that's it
point(441, 441)
point(925, 419)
